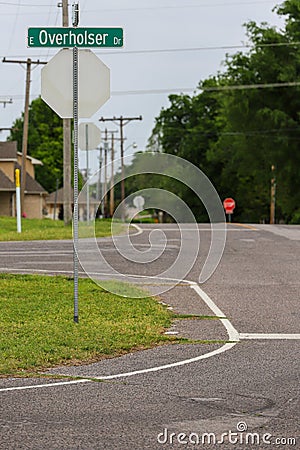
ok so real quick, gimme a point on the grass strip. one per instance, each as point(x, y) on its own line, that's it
point(47, 229)
point(37, 329)
point(197, 317)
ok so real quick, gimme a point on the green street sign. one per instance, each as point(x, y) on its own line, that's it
point(75, 37)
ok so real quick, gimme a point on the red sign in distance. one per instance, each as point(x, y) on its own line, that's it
point(229, 205)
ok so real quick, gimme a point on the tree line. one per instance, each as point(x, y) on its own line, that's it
point(242, 129)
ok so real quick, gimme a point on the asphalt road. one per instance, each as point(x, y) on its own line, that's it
point(243, 391)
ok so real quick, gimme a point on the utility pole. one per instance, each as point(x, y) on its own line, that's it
point(273, 196)
point(106, 132)
point(99, 181)
point(105, 173)
point(5, 102)
point(112, 190)
point(28, 63)
point(122, 121)
point(66, 141)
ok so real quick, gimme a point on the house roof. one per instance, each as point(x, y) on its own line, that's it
point(5, 183)
point(59, 196)
point(8, 150)
point(50, 199)
point(32, 186)
point(34, 161)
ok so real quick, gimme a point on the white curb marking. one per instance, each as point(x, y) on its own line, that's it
point(61, 383)
point(232, 332)
point(169, 366)
point(269, 336)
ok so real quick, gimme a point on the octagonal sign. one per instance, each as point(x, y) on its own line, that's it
point(89, 136)
point(93, 83)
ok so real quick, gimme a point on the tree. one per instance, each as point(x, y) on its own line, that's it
point(235, 132)
point(262, 125)
point(187, 129)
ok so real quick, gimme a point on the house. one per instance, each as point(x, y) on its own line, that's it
point(55, 202)
point(35, 194)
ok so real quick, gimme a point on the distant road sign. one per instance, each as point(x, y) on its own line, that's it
point(139, 202)
point(64, 37)
point(89, 136)
point(229, 205)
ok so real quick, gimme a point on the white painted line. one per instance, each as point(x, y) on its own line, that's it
point(139, 230)
point(269, 336)
point(198, 229)
point(38, 252)
point(36, 386)
point(232, 332)
point(169, 366)
point(35, 271)
point(70, 272)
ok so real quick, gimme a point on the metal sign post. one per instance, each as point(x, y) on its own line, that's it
point(75, 218)
point(60, 88)
point(87, 173)
point(75, 117)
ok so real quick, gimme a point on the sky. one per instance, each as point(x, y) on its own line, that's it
point(169, 46)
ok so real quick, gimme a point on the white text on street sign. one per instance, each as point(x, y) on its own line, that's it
point(75, 37)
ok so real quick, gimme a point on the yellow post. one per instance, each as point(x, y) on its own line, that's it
point(17, 177)
point(18, 200)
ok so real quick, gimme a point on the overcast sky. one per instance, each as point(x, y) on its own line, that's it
point(166, 47)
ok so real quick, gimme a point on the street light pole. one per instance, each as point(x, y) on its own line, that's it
point(99, 184)
point(122, 122)
point(112, 188)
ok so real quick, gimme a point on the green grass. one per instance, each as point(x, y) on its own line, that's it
point(44, 229)
point(37, 329)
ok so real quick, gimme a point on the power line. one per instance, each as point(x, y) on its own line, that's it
point(251, 86)
point(193, 89)
point(189, 49)
point(258, 132)
point(207, 5)
point(153, 91)
point(14, 26)
point(197, 49)
point(217, 88)
point(24, 4)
